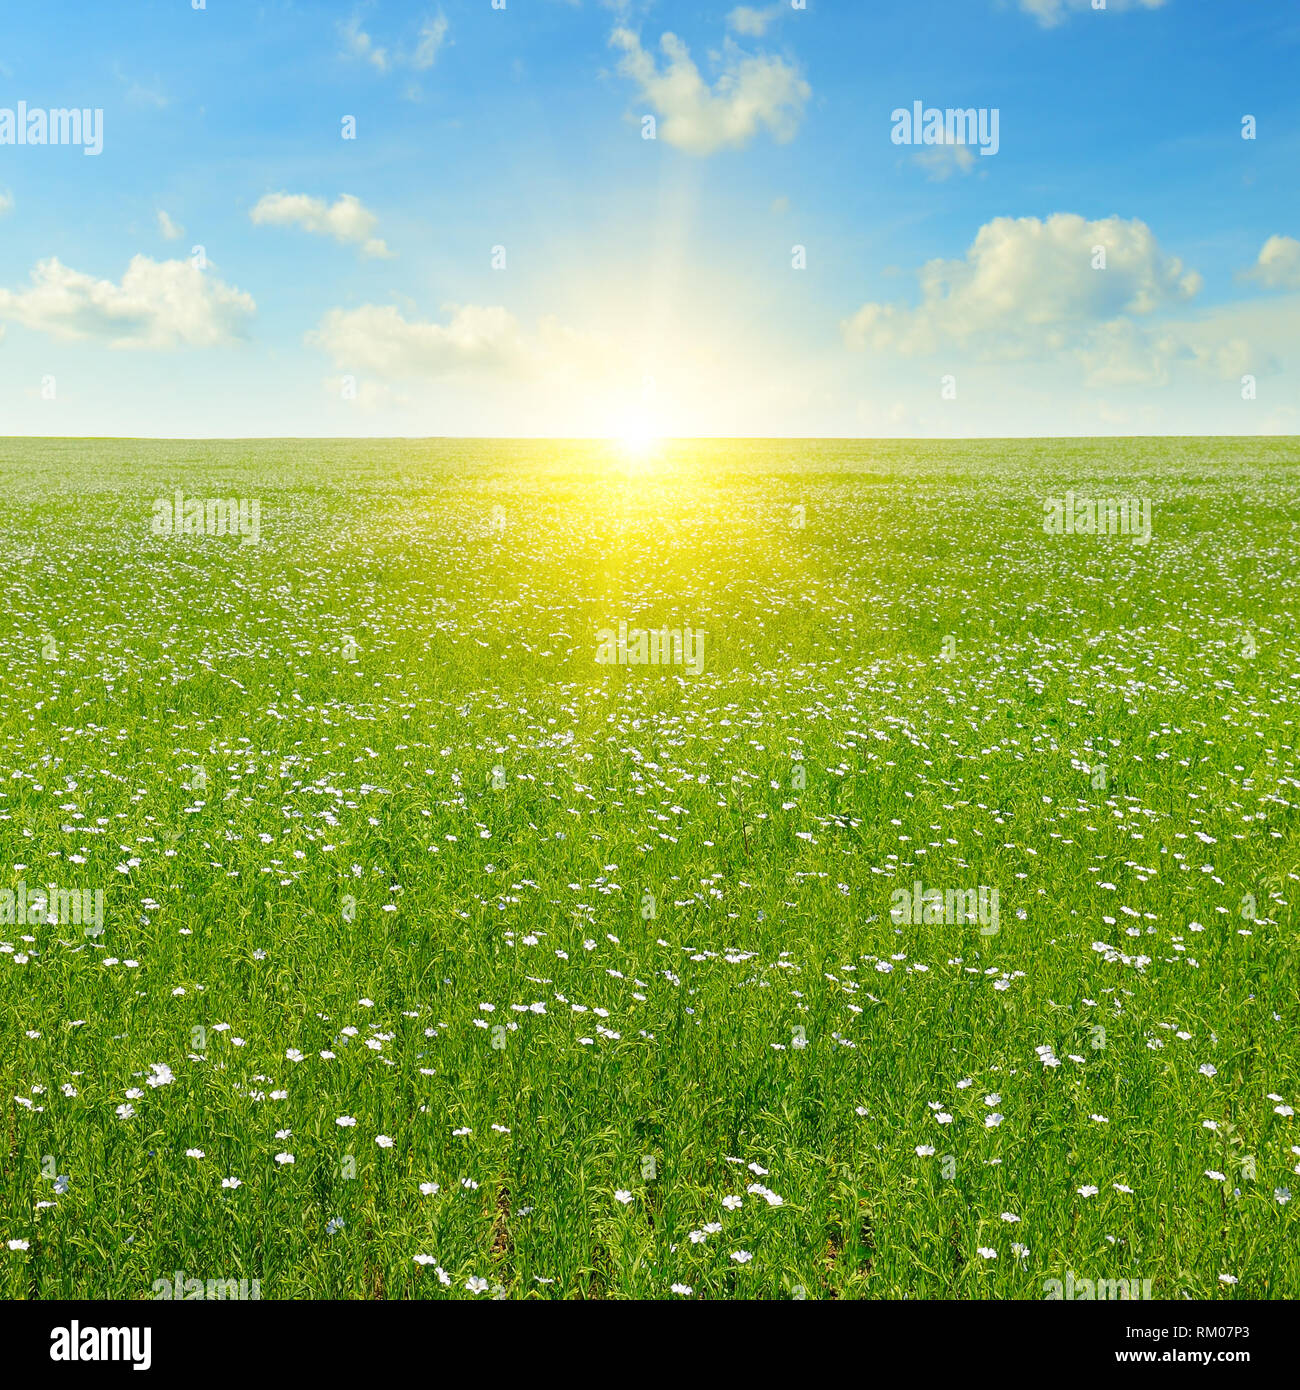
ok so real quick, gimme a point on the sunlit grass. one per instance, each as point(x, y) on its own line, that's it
point(421, 796)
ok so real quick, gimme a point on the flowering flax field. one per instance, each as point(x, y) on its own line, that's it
point(377, 925)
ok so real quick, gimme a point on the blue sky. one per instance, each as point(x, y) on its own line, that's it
point(348, 286)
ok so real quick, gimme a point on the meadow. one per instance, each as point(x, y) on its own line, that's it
point(439, 959)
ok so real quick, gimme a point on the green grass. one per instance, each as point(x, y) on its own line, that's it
point(348, 686)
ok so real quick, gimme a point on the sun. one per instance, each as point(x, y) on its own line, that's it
point(637, 440)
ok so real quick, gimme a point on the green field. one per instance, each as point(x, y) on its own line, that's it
point(607, 951)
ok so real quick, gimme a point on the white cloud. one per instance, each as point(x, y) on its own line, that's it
point(433, 34)
point(159, 304)
point(6, 202)
point(1278, 266)
point(137, 93)
point(752, 92)
point(943, 161)
point(479, 370)
point(348, 220)
point(581, 369)
point(360, 45)
point(1028, 286)
point(376, 338)
point(1026, 292)
point(1257, 335)
point(752, 22)
point(170, 230)
point(1049, 13)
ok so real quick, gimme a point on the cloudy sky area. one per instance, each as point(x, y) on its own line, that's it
point(356, 287)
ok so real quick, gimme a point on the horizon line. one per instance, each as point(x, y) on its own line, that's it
point(614, 439)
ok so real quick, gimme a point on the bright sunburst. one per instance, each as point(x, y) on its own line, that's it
point(637, 441)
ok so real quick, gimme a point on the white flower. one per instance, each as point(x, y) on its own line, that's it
point(476, 1285)
point(1007, 1216)
point(623, 1196)
point(741, 1257)
point(1228, 1279)
point(18, 1245)
point(384, 1141)
point(293, 1054)
point(1216, 1177)
point(231, 1182)
point(193, 1153)
point(1206, 1069)
point(731, 1202)
point(345, 1121)
point(1086, 1191)
point(987, 1253)
point(1283, 1110)
point(126, 1111)
point(683, 1289)
point(284, 1158)
point(423, 1259)
point(427, 1189)
point(993, 1121)
point(924, 1150)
